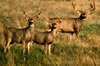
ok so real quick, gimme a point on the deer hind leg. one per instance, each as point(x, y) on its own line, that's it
point(45, 48)
point(7, 45)
point(70, 38)
point(24, 47)
point(28, 47)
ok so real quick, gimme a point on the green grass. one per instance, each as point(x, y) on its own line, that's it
point(90, 28)
point(11, 15)
point(61, 55)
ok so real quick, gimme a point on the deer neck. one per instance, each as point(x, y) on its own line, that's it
point(30, 26)
point(54, 32)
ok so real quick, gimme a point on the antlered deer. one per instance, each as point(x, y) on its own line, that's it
point(46, 38)
point(20, 35)
point(73, 25)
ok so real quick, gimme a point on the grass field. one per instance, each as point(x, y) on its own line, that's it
point(87, 53)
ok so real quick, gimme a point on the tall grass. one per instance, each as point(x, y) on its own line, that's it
point(61, 55)
point(11, 15)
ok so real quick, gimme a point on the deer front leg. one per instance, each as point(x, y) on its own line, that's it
point(49, 49)
point(78, 37)
point(7, 45)
point(29, 44)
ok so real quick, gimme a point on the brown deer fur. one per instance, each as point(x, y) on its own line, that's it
point(22, 35)
point(45, 38)
point(73, 25)
point(18, 35)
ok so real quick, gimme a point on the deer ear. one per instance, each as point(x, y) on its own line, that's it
point(90, 12)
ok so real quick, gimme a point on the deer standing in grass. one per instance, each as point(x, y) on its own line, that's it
point(46, 38)
point(73, 25)
point(20, 35)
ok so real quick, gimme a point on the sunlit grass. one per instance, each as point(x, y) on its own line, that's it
point(61, 54)
point(11, 15)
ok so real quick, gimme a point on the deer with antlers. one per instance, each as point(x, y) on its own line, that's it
point(20, 35)
point(45, 38)
point(73, 25)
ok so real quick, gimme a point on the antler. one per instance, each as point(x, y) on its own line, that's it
point(74, 5)
point(36, 16)
point(75, 8)
point(26, 16)
point(92, 7)
point(38, 10)
point(91, 10)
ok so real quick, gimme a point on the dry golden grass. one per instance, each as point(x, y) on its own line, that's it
point(85, 54)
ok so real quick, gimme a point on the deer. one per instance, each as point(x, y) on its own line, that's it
point(73, 25)
point(20, 35)
point(45, 38)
